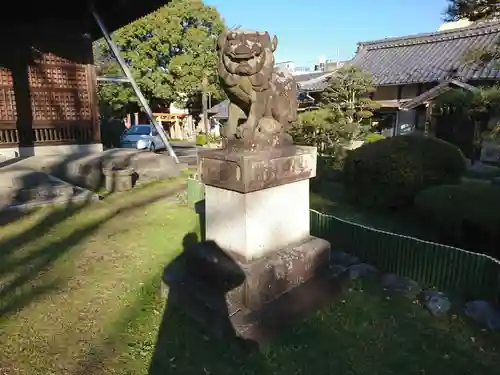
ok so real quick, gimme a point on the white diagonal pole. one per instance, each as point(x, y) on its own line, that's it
point(128, 74)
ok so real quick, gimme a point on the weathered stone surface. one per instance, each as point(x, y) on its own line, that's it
point(362, 270)
point(483, 313)
point(401, 285)
point(150, 166)
point(337, 270)
point(265, 97)
point(246, 172)
point(45, 191)
point(436, 302)
point(253, 284)
point(118, 179)
point(271, 276)
point(85, 169)
point(25, 185)
point(344, 259)
point(255, 224)
point(24, 189)
point(250, 300)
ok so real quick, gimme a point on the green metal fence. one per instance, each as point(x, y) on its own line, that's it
point(196, 191)
point(448, 268)
point(433, 265)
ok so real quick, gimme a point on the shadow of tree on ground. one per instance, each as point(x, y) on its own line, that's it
point(26, 255)
point(364, 333)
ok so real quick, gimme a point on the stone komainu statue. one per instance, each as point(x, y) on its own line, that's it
point(267, 98)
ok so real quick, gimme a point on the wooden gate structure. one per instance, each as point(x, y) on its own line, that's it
point(47, 78)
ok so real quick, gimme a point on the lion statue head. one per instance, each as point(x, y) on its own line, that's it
point(245, 52)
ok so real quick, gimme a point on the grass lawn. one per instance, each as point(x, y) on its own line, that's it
point(80, 294)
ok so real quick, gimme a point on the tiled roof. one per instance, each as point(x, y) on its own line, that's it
point(220, 111)
point(317, 83)
point(307, 76)
point(428, 57)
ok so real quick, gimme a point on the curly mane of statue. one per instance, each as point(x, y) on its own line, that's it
point(266, 98)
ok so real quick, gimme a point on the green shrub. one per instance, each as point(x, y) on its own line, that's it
point(468, 214)
point(212, 138)
point(373, 137)
point(328, 168)
point(390, 172)
point(201, 139)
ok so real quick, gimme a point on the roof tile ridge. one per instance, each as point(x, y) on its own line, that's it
point(424, 38)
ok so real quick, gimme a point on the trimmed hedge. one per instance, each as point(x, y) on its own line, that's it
point(390, 172)
point(467, 214)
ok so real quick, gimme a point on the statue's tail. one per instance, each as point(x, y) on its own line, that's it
point(294, 106)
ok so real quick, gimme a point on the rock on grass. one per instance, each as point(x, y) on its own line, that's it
point(483, 313)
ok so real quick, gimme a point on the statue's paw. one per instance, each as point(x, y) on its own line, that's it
point(269, 125)
point(244, 132)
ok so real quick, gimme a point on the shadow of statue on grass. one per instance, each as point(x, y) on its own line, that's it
point(200, 284)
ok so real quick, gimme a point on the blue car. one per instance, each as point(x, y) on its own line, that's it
point(142, 137)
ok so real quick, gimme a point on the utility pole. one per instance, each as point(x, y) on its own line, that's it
point(204, 105)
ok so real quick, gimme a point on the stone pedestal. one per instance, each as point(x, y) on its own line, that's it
point(118, 179)
point(258, 245)
point(253, 225)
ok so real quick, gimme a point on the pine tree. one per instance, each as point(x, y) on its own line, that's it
point(347, 96)
point(476, 10)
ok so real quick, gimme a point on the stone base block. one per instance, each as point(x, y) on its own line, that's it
point(270, 276)
point(247, 299)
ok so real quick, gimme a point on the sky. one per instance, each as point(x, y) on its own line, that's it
point(309, 29)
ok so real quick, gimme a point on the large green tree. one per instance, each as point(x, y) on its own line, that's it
point(476, 10)
point(168, 52)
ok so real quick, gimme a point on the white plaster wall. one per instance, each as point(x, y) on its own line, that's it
point(406, 122)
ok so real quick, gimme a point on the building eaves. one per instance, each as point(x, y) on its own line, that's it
point(435, 92)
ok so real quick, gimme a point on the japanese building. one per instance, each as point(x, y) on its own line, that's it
point(48, 102)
